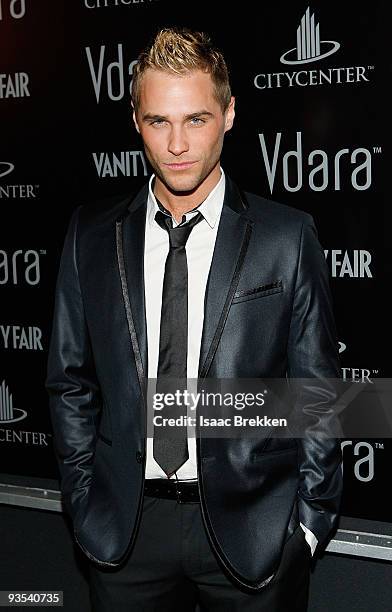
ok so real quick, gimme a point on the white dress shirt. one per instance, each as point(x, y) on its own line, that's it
point(199, 250)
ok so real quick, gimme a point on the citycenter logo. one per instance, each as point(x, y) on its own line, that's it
point(6, 168)
point(308, 47)
point(342, 347)
point(8, 412)
point(13, 191)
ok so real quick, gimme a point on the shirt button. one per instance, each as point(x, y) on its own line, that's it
point(139, 457)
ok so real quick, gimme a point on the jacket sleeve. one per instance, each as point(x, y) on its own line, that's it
point(313, 371)
point(71, 382)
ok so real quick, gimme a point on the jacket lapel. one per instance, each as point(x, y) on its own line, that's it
point(230, 248)
point(130, 229)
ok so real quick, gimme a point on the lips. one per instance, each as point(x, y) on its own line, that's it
point(181, 166)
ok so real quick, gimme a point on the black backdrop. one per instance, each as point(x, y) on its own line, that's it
point(312, 133)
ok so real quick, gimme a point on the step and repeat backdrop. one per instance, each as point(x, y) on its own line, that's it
point(312, 88)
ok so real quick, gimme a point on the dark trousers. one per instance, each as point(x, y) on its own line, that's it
point(172, 566)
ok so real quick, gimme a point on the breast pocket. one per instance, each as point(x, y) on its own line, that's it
point(258, 292)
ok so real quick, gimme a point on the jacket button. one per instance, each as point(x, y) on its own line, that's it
point(139, 457)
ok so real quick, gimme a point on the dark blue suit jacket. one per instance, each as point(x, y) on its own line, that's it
point(267, 315)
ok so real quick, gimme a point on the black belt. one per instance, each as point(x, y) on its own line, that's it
point(182, 491)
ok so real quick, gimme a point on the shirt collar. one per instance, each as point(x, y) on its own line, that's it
point(210, 208)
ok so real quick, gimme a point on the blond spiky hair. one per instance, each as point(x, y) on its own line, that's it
point(179, 51)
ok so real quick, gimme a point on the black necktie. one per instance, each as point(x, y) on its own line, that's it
point(171, 452)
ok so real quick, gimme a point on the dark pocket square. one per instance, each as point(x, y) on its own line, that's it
point(259, 291)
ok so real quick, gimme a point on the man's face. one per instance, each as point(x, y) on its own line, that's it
point(182, 127)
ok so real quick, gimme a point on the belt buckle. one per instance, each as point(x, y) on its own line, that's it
point(190, 499)
point(179, 494)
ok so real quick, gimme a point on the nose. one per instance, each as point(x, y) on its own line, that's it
point(178, 142)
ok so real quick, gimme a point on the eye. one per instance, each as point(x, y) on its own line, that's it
point(197, 121)
point(157, 122)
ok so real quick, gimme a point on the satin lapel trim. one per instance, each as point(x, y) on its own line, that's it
point(230, 249)
point(130, 230)
point(231, 245)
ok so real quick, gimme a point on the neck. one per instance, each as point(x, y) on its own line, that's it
point(179, 203)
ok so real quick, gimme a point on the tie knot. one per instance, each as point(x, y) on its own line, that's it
point(178, 235)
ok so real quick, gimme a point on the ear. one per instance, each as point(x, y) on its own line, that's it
point(135, 119)
point(230, 114)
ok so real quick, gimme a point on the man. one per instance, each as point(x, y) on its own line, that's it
point(192, 279)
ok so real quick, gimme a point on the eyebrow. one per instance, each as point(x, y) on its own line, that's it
point(151, 117)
